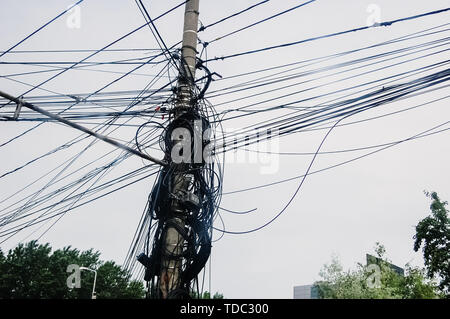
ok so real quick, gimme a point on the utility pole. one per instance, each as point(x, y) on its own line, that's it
point(170, 281)
point(184, 198)
point(188, 54)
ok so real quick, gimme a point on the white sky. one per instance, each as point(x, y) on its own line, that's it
point(344, 210)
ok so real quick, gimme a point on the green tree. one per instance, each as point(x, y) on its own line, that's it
point(32, 271)
point(364, 283)
point(433, 235)
point(206, 295)
point(416, 286)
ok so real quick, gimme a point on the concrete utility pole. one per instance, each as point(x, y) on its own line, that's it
point(188, 53)
point(173, 241)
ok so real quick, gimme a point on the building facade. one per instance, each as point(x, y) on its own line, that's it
point(306, 292)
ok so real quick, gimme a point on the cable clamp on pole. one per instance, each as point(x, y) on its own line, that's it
point(18, 108)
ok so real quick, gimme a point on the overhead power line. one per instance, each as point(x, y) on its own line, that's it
point(39, 29)
point(80, 128)
point(261, 21)
point(84, 59)
point(382, 24)
point(203, 28)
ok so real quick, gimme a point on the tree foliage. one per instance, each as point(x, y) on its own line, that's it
point(206, 295)
point(433, 235)
point(364, 283)
point(32, 271)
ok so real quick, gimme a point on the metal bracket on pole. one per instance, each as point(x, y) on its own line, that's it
point(18, 108)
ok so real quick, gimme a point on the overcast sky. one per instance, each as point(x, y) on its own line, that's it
point(342, 211)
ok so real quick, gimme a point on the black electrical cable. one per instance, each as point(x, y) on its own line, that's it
point(165, 49)
point(203, 28)
point(393, 94)
point(307, 173)
point(261, 21)
point(411, 36)
point(401, 75)
point(91, 55)
point(85, 192)
point(420, 70)
point(39, 29)
point(77, 206)
point(383, 24)
point(261, 82)
point(417, 136)
point(79, 50)
point(296, 191)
